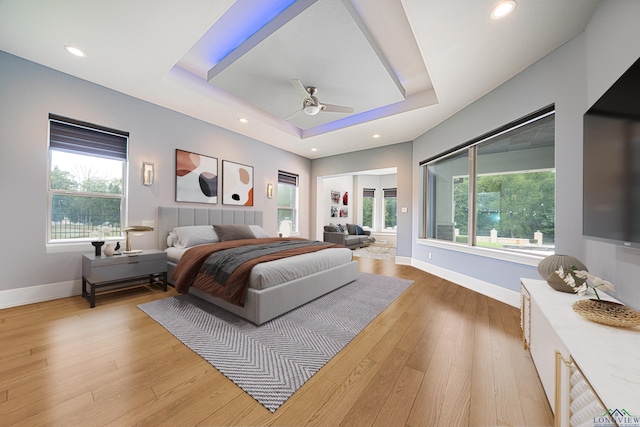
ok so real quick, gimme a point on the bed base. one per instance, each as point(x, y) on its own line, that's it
point(265, 304)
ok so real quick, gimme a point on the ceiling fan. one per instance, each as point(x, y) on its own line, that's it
point(310, 103)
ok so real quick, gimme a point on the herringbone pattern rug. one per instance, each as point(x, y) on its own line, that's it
point(270, 362)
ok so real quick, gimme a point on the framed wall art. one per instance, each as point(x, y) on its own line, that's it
point(335, 197)
point(196, 178)
point(237, 184)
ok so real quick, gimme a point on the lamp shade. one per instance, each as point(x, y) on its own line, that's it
point(134, 229)
point(285, 228)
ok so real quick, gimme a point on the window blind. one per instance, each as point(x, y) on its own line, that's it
point(87, 139)
point(287, 178)
point(368, 192)
point(390, 192)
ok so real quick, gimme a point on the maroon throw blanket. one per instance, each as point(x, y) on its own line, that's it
point(187, 272)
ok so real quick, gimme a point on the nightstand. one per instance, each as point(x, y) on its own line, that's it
point(102, 271)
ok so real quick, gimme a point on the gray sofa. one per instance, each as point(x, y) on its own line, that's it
point(356, 237)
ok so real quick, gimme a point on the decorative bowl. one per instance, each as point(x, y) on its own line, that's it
point(607, 312)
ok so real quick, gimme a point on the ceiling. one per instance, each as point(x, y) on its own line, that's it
point(403, 65)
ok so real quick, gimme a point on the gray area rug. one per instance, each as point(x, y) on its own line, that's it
point(271, 361)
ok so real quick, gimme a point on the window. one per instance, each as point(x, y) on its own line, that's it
point(87, 169)
point(368, 202)
point(497, 191)
point(288, 201)
point(389, 195)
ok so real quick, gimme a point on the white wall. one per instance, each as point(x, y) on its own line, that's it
point(342, 185)
point(29, 92)
point(572, 78)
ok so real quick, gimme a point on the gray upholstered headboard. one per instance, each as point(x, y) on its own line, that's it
point(171, 216)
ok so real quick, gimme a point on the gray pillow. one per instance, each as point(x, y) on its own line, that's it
point(193, 235)
point(258, 231)
point(351, 228)
point(233, 232)
point(331, 228)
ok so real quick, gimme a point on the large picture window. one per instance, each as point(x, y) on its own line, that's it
point(87, 169)
point(497, 191)
point(287, 201)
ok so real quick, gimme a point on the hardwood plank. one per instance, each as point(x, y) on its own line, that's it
point(482, 405)
point(508, 409)
point(337, 407)
point(373, 397)
point(427, 410)
point(388, 342)
point(395, 410)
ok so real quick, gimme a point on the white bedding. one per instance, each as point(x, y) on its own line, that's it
point(265, 275)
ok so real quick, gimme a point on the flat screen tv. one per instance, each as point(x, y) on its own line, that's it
point(611, 168)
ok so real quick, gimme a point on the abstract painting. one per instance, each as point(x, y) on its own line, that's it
point(237, 184)
point(196, 178)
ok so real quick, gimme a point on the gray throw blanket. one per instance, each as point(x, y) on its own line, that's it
point(223, 263)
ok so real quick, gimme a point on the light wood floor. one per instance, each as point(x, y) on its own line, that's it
point(440, 355)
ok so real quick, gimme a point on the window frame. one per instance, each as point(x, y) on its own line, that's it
point(470, 147)
point(369, 193)
point(90, 149)
point(290, 179)
point(389, 193)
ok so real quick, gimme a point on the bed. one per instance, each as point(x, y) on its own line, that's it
point(276, 286)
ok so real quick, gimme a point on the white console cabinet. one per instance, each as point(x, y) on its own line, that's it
point(586, 368)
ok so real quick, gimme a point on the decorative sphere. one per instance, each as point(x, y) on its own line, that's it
point(548, 267)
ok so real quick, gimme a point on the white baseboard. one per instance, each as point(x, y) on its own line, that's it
point(403, 260)
point(498, 293)
point(39, 293)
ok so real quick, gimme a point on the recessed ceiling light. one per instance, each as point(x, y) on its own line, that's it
point(314, 149)
point(502, 9)
point(376, 135)
point(75, 51)
point(242, 120)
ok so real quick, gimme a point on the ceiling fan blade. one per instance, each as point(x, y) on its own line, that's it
point(330, 108)
point(291, 116)
point(302, 91)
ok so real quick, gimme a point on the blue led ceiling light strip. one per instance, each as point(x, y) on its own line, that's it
point(246, 24)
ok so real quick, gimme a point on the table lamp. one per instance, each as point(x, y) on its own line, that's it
point(135, 229)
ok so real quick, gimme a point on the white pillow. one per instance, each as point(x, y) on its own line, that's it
point(172, 238)
point(193, 235)
point(258, 231)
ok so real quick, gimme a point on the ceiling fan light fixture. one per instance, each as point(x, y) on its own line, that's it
point(311, 110)
point(502, 9)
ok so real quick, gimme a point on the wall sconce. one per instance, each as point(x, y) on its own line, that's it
point(147, 173)
point(270, 190)
point(135, 229)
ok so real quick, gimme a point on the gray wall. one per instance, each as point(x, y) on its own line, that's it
point(29, 92)
point(572, 78)
point(398, 155)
